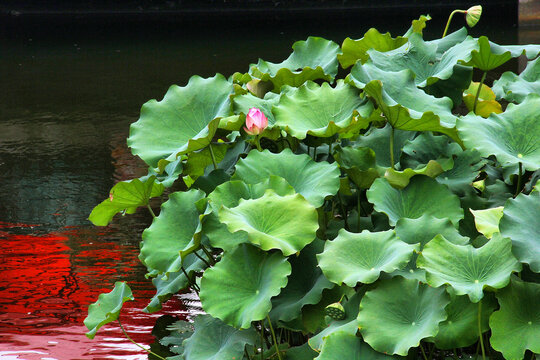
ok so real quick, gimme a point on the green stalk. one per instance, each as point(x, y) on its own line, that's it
point(273, 337)
point(257, 143)
point(329, 151)
point(247, 354)
point(315, 153)
point(478, 91)
point(152, 211)
point(520, 174)
point(210, 257)
point(343, 212)
point(392, 147)
point(213, 156)
point(450, 19)
point(455, 353)
point(203, 259)
point(423, 352)
point(480, 329)
point(262, 341)
point(142, 347)
point(358, 210)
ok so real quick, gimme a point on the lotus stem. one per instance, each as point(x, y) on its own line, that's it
point(315, 153)
point(203, 259)
point(142, 347)
point(478, 91)
point(480, 329)
point(247, 353)
point(423, 352)
point(450, 19)
point(329, 151)
point(343, 212)
point(273, 337)
point(151, 211)
point(262, 341)
point(212, 156)
point(191, 283)
point(358, 206)
point(210, 257)
point(454, 351)
point(257, 143)
point(392, 147)
point(520, 175)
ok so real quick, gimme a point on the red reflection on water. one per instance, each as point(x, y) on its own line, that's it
point(47, 283)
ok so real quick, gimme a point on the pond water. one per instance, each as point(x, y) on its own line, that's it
point(66, 102)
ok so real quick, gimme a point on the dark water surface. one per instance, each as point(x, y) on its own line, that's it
point(66, 102)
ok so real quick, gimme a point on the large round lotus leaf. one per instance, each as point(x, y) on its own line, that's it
point(422, 196)
point(287, 223)
point(513, 136)
point(320, 110)
point(515, 327)
point(238, 288)
point(313, 180)
point(107, 308)
point(423, 229)
point(516, 88)
point(214, 340)
point(460, 329)
point(354, 50)
point(305, 286)
point(399, 313)
point(352, 258)
point(312, 59)
point(342, 345)
point(185, 120)
point(176, 231)
point(521, 223)
point(423, 59)
point(467, 269)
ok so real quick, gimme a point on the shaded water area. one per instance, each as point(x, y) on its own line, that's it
point(67, 97)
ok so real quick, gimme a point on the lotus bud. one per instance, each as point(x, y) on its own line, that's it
point(256, 122)
point(473, 15)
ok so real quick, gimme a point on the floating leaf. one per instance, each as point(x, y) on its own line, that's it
point(176, 231)
point(521, 223)
point(467, 269)
point(238, 288)
point(352, 258)
point(287, 223)
point(513, 136)
point(214, 340)
point(486, 104)
point(313, 180)
point(487, 220)
point(516, 88)
point(107, 308)
point(390, 320)
point(515, 327)
point(125, 196)
point(422, 196)
point(184, 121)
point(321, 111)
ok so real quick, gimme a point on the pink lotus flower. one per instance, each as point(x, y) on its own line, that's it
point(256, 122)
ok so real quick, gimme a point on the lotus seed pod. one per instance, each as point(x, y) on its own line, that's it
point(335, 311)
point(473, 14)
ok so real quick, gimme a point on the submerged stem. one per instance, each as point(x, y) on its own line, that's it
point(450, 19)
point(480, 329)
point(142, 347)
point(478, 91)
point(273, 337)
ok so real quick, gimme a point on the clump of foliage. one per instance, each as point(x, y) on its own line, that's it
point(391, 212)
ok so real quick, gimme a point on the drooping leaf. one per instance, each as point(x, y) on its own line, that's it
point(422, 196)
point(166, 173)
point(352, 258)
point(359, 164)
point(400, 179)
point(515, 327)
point(214, 340)
point(174, 233)
point(107, 308)
point(313, 180)
point(125, 196)
point(513, 136)
point(467, 269)
point(459, 178)
point(238, 288)
point(521, 223)
point(287, 223)
point(514, 87)
point(489, 55)
point(321, 111)
point(343, 345)
point(184, 121)
point(390, 318)
point(486, 103)
point(487, 220)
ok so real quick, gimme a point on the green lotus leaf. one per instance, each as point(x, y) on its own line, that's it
point(399, 313)
point(423, 229)
point(460, 329)
point(287, 223)
point(303, 352)
point(513, 136)
point(305, 286)
point(214, 340)
point(174, 233)
point(184, 121)
point(379, 141)
point(516, 88)
point(521, 223)
point(321, 111)
point(348, 325)
point(487, 220)
point(489, 55)
point(107, 308)
point(467, 165)
point(342, 345)
point(418, 25)
point(173, 283)
point(352, 258)
point(125, 197)
point(486, 104)
point(467, 269)
point(315, 57)
point(400, 179)
point(422, 196)
point(166, 173)
point(238, 288)
point(313, 180)
point(242, 103)
point(359, 164)
point(423, 59)
point(354, 50)
point(453, 86)
point(198, 161)
point(405, 106)
point(425, 147)
point(515, 327)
